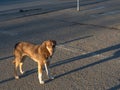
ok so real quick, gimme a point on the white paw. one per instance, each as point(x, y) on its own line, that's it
point(16, 77)
point(42, 82)
point(22, 72)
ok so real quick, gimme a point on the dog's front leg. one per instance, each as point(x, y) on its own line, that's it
point(48, 72)
point(40, 73)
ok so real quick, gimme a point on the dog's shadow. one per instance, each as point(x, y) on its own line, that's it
point(114, 56)
point(5, 58)
point(6, 80)
point(27, 73)
point(62, 62)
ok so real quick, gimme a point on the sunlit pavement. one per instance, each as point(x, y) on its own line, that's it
point(88, 49)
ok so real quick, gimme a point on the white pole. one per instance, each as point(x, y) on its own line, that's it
point(78, 5)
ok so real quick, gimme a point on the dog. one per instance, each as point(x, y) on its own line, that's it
point(39, 53)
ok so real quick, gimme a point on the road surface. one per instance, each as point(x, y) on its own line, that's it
point(87, 55)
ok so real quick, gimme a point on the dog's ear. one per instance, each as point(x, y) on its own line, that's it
point(49, 43)
point(54, 43)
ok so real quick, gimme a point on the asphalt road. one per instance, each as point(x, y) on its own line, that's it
point(87, 55)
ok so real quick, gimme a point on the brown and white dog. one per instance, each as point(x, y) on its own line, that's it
point(39, 53)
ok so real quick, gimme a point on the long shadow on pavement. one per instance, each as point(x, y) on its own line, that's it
point(117, 87)
point(84, 37)
point(89, 55)
point(115, 55)
point(6, 80)
point(4, 58)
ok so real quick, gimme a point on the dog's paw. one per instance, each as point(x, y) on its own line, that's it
point(16, 77)
point(22, 72)
point(42, 82)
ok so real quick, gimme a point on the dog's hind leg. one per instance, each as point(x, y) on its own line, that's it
point(16, 64)
point(21, 65)
point(21, 70)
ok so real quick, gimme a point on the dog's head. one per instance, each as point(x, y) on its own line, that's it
point(50, 46)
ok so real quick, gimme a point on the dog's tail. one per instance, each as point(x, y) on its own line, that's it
point(14, 50)
point(16, 45)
